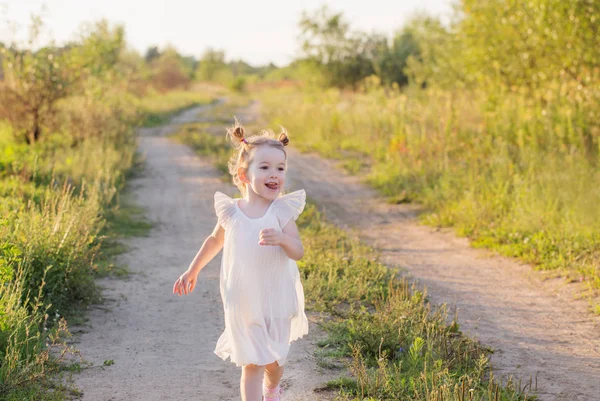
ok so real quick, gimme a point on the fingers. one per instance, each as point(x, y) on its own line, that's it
point(184, 287)
point(177, 286)
point(265, 240)
point(268, 236)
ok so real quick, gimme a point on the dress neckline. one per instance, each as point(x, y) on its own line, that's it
point(252, 218)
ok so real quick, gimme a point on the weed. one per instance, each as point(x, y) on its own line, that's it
point(512, 179)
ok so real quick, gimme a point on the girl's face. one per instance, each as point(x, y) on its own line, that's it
point(265, 175)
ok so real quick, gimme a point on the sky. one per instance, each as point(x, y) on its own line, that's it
point(256, 31)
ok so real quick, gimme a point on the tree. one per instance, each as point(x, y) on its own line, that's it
point(169, 71)
point(210, 64)
point(346, 57)
point(152, 54)
point(327, 42)
point(35, 80)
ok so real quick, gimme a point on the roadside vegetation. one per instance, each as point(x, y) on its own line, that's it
point(396, 345)
point(387, 340)
point(497, 138)
point(67, 147)
point(490, 121)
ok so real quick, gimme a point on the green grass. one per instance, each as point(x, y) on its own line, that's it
point(124, 219)
point(399, 346)
point(207, 145)
point(513, 176)
point(159, 108)
point(395, 344)
point(63, 210)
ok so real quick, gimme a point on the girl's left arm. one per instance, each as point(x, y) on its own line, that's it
point(288, 239)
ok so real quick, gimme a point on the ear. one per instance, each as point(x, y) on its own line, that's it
point(241, 173)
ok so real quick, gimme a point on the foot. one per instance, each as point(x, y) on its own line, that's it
point(272, 394)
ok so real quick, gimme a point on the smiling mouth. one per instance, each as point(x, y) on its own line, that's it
point(272, 185)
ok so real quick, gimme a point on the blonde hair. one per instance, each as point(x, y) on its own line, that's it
point(245, 145)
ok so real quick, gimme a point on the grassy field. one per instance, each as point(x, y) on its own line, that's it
point(64, 207)
point(395, 345)
point(513, 176)
point(158, 108)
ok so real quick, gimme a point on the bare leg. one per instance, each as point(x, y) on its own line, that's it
point(250, 383)
point(273, 373)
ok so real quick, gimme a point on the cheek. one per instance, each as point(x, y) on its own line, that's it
point(258, 175)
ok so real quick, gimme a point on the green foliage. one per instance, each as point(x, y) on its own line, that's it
point(239, 84)
point(57, 191)
point(35, 80)
point(157, 108)
point(513, 176)
point(400, 347)
point(31, 342)
point(170, 71)
point(543, 50)
point(204, 143)
point(210, 64)
point(345, 58)
point(327, 42)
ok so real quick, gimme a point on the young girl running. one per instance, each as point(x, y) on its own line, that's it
point(262, 295)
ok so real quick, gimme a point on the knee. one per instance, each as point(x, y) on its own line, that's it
point(252, 369)
point(273, 368)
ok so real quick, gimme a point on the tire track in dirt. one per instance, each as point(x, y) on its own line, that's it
point(537, 328)
point(162, 345)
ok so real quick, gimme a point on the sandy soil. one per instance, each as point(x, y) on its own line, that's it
point(538, 328)
point(161, 344)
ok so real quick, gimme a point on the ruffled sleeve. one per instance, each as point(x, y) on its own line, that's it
point(224, 207)
point(289, 206)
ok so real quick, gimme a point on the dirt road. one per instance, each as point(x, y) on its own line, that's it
point(161, 344)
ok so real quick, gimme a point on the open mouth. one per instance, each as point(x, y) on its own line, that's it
point(272, 186)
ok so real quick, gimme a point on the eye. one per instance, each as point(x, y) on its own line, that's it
point(263, 167)
point(281, 169)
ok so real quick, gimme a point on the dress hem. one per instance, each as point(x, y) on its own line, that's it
point(224, 355)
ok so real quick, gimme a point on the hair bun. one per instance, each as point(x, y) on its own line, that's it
point(238, 132)
point(283, 137)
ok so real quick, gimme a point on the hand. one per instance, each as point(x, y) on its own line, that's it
point(185, 283)
point(270, 236)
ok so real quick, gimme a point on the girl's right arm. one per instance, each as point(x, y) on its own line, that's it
point(210, 248)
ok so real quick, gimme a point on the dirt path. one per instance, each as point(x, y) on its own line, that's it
point(536, 327)
point(161, 344)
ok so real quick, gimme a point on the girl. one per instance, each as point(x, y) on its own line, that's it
point(262, 295)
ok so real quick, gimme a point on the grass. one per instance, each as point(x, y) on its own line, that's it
point(512, 175)
point(64, 208)
point(395, 344)
point(398, 346)
point(207, 145)
point(158, 108)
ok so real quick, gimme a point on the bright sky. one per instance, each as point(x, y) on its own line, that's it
point(257, 31)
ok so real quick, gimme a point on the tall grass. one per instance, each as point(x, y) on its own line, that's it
point(396, 345)
point(217, 148)
point(513, 175)
point(54, 195)
point(399, 346)
point(56, 198)
point(157, 108)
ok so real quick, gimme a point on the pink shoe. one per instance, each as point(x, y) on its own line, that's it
point(272, 394)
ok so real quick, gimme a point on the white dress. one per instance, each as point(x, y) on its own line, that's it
point(262, 294)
